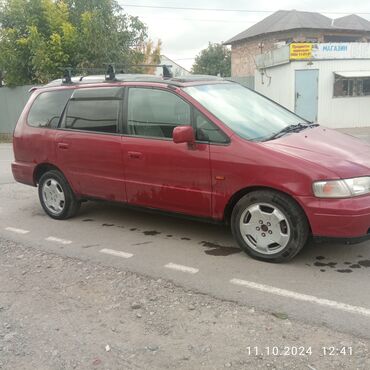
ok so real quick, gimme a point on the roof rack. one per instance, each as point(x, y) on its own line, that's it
point(67, 75)
point(110, 72)
point(114, 73)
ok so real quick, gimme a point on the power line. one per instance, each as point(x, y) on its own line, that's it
point(222, 9)
point(197, 9)
point(201, 20)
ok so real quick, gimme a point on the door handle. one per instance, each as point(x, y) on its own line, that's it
point(135, 155)
point(63, 146)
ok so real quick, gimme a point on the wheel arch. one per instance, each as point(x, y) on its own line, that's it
point(42, 168)
point(240, 194)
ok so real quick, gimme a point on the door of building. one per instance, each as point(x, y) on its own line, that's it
point(306, 93)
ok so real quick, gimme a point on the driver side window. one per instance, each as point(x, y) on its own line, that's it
point(208, 131)
point(155, 113)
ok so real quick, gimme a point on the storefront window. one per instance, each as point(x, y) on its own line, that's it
point(359, 86)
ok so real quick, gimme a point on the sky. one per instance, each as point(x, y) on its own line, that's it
point(184, 33)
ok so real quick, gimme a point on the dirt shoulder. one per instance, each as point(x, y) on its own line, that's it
point(62, 313)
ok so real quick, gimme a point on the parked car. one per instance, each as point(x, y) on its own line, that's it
point(199, 146)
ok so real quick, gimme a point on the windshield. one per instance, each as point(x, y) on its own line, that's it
point(248, 114)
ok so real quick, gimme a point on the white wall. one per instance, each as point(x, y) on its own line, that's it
point(332, 112)
point(278, 84)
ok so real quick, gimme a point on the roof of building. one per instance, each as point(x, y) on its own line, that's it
point(284, 20)
point(352, 22)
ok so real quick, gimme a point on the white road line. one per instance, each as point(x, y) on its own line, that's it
point(174, 266)
point(302, 297)
point(116, 253)
point(58, 240)
point(18, 231)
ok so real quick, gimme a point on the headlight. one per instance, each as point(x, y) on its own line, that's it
point(342, 188)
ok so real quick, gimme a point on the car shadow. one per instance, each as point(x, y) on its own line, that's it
point(217, 239)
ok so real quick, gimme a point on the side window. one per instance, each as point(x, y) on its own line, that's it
point(155, 113)
point(93, 115)
point(48, 108)
point(208, 131)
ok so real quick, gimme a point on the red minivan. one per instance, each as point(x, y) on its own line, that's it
point(199, 146)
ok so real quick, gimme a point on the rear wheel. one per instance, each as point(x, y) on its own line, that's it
point(269, 226)
point(56, 196)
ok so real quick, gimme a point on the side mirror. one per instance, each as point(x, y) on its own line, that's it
point(183, 134)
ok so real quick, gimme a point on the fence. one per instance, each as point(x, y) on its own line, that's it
point(12, 102)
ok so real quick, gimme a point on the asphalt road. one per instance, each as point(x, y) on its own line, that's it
point(327, 284)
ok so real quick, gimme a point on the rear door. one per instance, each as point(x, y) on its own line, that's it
point(88, 143)
point(159, 173)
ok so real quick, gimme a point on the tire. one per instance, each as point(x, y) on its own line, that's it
point(56, 196)
point(269, 226)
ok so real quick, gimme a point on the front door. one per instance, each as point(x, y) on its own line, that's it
point(159, 173)
point(306, 93)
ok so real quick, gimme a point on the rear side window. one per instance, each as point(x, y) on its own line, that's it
point(48, 108)
point(95, 110)
point(93, 115)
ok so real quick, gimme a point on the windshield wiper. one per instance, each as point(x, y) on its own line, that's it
point(292, 128)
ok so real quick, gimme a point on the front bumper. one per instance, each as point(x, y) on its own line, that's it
point(347, 219)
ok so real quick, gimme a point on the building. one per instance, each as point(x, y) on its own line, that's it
point(288, 26)
point(328, 83)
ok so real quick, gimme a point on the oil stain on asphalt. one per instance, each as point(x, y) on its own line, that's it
point(151, 232)
point(219, 250)
point(348, 270)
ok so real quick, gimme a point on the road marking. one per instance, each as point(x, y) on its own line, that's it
point(58, 240)
point(18, 231)
point(302, 297)
point(361, 135)
point(174, 266)
point(116, 253)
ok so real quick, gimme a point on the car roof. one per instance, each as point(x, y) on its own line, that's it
point(120, 79)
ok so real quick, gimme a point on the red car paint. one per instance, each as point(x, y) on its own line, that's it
point(202, 179)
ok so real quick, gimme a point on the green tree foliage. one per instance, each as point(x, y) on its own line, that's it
point(214, 60)
point(39, 37)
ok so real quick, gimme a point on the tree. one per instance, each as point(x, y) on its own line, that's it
point(151, 54)
point(214, 60)
point(40, 37)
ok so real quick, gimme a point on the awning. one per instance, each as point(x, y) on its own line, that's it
point(353, 74)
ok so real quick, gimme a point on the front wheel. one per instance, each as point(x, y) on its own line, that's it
point(56, 196)
point(269, 226)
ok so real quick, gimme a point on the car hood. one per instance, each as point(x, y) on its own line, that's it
point(340, 153)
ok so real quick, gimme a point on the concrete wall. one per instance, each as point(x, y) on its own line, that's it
point(247, 81)
point(278, 83)
point(12, 102)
